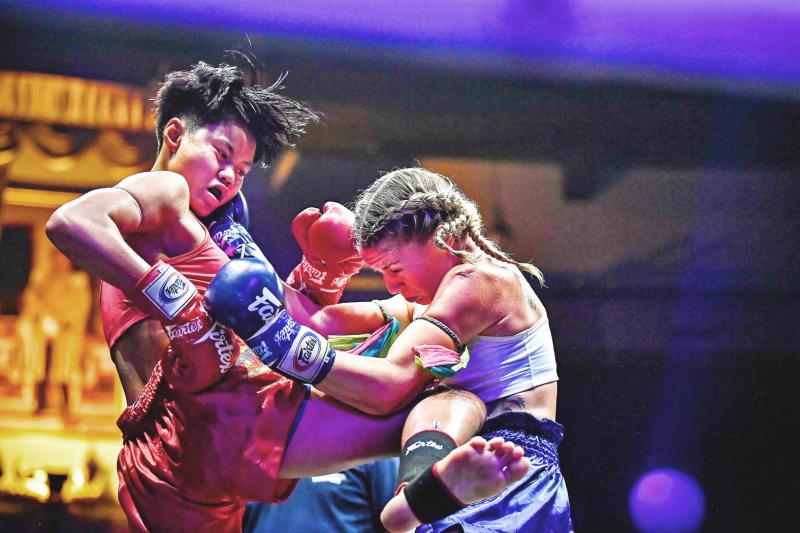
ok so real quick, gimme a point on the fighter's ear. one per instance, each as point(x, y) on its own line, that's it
point(174, 131)
point(447, 238)
point(457, 243)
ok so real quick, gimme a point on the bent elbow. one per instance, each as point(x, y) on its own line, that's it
point(57, 227)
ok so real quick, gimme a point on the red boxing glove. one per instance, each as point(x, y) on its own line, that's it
point(201, 350)
point(329, 255)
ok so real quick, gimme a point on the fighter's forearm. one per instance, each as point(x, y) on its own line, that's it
point(338, 319)
point(247, 295)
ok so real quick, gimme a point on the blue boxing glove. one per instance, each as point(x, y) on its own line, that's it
point(234, 209)
point(247, 296)
point(228, 228)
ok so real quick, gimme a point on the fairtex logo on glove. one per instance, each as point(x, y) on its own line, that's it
point(187, 328)
point(267, 306)
point(168, 289)
point(314, 274)
point(219, 336)
point(230, 237)
point(229, 233)
point(173, 288)
point(286, 333)
point(307, 356)
point(306, 353)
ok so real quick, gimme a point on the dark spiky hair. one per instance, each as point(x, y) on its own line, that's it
point(209, 95)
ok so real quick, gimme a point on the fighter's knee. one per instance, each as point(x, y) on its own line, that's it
point(458, 413)
point(470, 401)
point(450, 399)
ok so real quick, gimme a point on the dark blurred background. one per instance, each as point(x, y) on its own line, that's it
point(646, 155)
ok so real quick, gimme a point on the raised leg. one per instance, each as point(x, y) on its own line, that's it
point(472, 472)
point(331, 437)
point(458, 413)
point(434, 429)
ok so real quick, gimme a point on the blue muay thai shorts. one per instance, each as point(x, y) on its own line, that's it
point(537, 503)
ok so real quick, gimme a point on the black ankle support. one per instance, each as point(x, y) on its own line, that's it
point(421, 450)
point(429, 499)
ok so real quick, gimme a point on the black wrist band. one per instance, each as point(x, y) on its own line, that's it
point(421, 450)
point(429, 499)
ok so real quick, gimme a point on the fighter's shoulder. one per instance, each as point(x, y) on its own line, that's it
point(475, 275)
point(157, 191)
point(466, 300)
point(488, 271)
point(157, 182)
point(470, 286)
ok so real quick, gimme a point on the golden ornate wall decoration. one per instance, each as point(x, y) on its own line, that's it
point(38, 198)
point(51, 99)
point(59, 398)
point(63, 132)
point(8, 142)
point(59, 141)
point(120, 151)
point(45, 156)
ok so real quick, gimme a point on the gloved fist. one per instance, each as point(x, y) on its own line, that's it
point(247, 296)
point(228, 228)
point(329, 255)
point(235, 210)
point(201, 350)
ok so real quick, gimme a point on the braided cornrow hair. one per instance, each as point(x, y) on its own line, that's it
point(415, 204)
point(492, 249)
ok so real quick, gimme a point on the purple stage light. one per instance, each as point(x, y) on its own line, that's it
point(667, 501)
point(746, 43)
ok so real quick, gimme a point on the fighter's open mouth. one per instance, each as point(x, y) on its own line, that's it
point(216, 192)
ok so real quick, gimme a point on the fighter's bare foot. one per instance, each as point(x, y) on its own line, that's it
point(472, 472)
point(480, 469)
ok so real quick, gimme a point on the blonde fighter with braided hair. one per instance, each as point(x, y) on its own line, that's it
point(405, 193)
point(469, 321)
